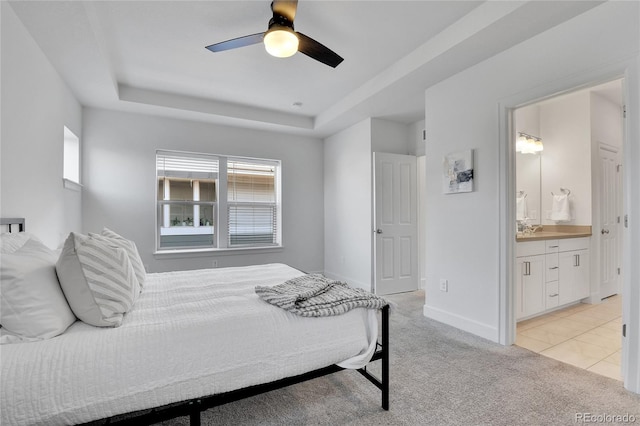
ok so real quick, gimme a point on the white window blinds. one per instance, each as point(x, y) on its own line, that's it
point(177, 165)
point(252, 202)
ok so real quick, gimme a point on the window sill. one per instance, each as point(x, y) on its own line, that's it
point(184, 253)
point(73, 186)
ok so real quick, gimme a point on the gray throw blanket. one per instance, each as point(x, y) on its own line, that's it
point(314, 295)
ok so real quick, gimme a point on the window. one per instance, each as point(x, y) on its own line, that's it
point(216, 202)
point(71, 162)
point(252, 203)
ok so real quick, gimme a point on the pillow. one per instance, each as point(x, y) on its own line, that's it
point(97, 280)
point(132, 252)
point(125, 245)
point(33, 306)
point(10, 242)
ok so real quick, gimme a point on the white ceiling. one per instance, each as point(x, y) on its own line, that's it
point(150, 56)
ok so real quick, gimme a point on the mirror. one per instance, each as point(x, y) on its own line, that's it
point(528, 168)
point(528, 189)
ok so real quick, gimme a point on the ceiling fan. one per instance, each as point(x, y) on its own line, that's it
point(281, 40)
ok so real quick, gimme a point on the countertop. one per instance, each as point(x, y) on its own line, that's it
point(556, 232)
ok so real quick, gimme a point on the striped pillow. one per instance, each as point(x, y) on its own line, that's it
point(97, 280)
point(132, 251)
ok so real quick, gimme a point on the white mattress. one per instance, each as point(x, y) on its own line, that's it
point(190, 334)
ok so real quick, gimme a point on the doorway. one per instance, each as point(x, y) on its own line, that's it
point(582, 134)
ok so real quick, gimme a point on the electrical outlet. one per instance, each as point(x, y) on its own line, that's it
point(214, 263)
point(444, 285)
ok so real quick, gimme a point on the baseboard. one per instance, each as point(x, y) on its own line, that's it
point(463, 323)
point(350, 281)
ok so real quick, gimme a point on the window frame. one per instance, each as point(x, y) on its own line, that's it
point(221, 205)
point(71, 158)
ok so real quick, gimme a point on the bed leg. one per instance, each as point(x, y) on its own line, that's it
point(385, 357)
point(194, 413)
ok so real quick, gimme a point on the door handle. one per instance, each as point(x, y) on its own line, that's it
point(378, 231)
point(604, 231)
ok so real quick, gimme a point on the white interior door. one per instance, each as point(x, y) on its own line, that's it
point(609, 221)
point(395, 219)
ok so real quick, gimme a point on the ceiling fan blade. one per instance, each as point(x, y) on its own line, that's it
point(236, 42)
point(285, 8)
point(318, 51)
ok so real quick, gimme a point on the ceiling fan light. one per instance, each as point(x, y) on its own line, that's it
point(281, 42)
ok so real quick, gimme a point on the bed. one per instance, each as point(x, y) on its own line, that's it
point(193, 340)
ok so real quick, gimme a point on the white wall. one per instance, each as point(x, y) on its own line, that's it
point(392, 137)
point(565, 128)
point(462, 112)
point(120, 185)
point(348, 187)
point(36, 105)
point(347, 205)
point(416, 132)
point(606, 119)
point(417, 129)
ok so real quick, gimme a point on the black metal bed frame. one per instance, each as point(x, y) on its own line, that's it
point(194, 407)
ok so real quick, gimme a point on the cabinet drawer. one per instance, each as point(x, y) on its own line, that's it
point(551, 265)
point(569, 244)
point(551, 295)
point(529, 248)
point(551, 246)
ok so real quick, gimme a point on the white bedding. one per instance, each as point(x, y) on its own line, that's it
point(190, 334)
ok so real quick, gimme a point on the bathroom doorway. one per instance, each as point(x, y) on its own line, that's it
point(568, 212)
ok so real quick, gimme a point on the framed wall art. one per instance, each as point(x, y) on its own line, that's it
point(458, 172)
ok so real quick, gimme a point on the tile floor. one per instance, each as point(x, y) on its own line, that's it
point(587, 336)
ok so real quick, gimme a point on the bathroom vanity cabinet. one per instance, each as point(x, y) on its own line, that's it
point(530, 286)
point(551, 273)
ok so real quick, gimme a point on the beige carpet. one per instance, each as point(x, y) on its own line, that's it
point(439, 376)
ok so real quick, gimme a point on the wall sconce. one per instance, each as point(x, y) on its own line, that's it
point(528, 144)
